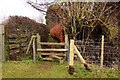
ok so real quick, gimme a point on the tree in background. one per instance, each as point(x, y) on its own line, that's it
point(99, 18)
point(84, 20)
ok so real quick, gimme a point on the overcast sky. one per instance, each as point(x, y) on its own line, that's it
point(20, 8)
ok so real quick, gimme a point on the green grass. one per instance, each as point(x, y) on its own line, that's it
point(42, 69)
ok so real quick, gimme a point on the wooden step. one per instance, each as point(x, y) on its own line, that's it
point(56, 50)
point(56, 57)
point(48, 59)
point(52, 58)
point(57, 54)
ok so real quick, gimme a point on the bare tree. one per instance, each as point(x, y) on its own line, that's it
point(38, 7)
point(85, 15)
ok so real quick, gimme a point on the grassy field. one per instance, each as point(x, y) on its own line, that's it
point(42, 69)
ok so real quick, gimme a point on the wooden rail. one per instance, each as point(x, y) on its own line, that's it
point(16, 45)
point(51, 43)
point(52, 54)
point(55, 50)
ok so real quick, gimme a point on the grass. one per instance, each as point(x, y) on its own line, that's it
point(42, 69)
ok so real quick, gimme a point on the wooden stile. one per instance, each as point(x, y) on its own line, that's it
point(56, 53)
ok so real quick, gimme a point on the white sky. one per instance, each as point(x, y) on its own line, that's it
point(20, 8)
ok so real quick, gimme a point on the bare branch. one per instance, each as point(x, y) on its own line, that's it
point(34, 5)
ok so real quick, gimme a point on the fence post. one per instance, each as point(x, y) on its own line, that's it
point(2, 55)
point(102, 50)
point(81, 59)
point(34, 49)
point(66, 45)
point(71, 57)
point(38, 41)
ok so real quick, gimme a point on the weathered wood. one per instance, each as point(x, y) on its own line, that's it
point(13, 48)
point(66, 41)
point(54, 56)
point(59, 58)
point(71, 62)
point(47, 59)
point(71, 57)
point(81, 59)
point(13, 42)
point(66, 45)
point(48, 56)
point(38, 41)
point(2, 56)
point(12, 36)
point(29, 44)
point(57, 54)
point(56, 50)
point(34, 51)
point(50, 43)
point(79, 55)
point(102, 51)
point(14, 51)
point(17, 40)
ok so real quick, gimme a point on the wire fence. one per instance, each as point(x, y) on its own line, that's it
point(91, 52)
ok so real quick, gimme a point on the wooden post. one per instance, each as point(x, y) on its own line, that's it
point(29, 44)
point(71, 57)
point(102, 50)
point(81, 59)
point(2, 55)
point(71, 53)
point(66, 45)
point(79, 55)
point(34, 50)
point(38, 41)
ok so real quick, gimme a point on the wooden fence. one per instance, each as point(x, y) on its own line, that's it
point(91, 52)
point(16, 46)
